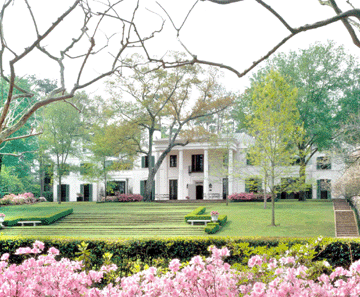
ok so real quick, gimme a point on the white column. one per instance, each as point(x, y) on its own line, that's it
point(181, 175)
point(206, 174)
point(231, 177)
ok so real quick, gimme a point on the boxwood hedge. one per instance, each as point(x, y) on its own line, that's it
point(340, 252)
point(45, 219)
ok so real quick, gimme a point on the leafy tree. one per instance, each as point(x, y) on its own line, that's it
point(167, 100)
point(326, 79)
point(62, 127)
point(273, 125)
point(107, 140)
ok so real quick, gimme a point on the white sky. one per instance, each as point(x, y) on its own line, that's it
point(234, 34)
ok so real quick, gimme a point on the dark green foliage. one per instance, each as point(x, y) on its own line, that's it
point(200, 210)
point(198, 214)
point(149, 251)
point(45, 220)
point(212, 228)
point(49, 195)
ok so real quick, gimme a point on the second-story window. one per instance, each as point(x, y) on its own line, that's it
point(145, 161)
point(323, 163)
point(197, 164)
point(173, 160)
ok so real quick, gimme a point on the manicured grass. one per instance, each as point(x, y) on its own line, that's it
point(39, 209)
point(139, 219)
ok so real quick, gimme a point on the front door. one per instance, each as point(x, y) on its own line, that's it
point(199, 192)
point(173, 189)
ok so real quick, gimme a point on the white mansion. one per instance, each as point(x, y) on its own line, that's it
point(201, 171)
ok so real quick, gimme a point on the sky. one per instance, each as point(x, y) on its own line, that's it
point(234, 34)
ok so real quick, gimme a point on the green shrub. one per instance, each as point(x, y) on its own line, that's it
point(212, 228)
point(196, 212)
point(340, 252)
point(45, 220)
point(49, 196)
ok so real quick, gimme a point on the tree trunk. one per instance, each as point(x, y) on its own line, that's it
point(265, 192)
point(272, 179)
point(105, 177)
point(273, 209)
point(302, 179)
point(149, 185)
point(59, 174)
point(41, 176)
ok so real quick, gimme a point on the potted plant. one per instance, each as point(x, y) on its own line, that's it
point(2, 219)
point(214, 215)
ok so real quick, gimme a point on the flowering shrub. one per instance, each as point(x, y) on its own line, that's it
point(25, 198)
point(45, 276)
point(286, 275)
point(214, 213)
point(124, 198)
point(2, 215)
point(248, 197)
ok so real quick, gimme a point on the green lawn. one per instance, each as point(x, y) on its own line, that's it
point(91, 220)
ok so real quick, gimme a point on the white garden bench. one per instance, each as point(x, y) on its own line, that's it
point(29, 222)
point(198, 221)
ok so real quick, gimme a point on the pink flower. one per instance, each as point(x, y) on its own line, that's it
point(174, 265)
point(5, 256)
point(38, 244)
point(23, 251)
point(53, 251)
point(255, 260)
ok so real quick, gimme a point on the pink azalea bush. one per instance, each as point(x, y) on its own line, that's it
point(124, 198)
point(247, 197)
point(43, 275)
point(25, 198)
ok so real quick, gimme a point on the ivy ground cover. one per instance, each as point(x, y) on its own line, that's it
point(140, 219)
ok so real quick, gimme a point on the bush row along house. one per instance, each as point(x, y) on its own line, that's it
point(201, 170)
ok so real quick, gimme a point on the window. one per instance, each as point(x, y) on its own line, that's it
point(173, 161)
point(323, 163)
point(253, 185)
point(63, 192)
point(173, 189)
point(197, 164)
point(145, 161)
point(115, 187)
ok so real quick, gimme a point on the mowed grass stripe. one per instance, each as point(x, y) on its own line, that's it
point(294, 219)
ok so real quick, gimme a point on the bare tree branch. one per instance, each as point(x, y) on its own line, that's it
point(12, 118)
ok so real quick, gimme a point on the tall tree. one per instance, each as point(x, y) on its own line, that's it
point(273, 124)
point(170, 100)
point(107, 140)
point(61, 136)
point(327, 80)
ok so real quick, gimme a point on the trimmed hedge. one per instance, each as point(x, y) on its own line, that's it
point(212, 228)
point(340, 252)
point(196, 212)
point(45, 220)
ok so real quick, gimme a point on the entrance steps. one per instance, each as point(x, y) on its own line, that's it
point(345, 220)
